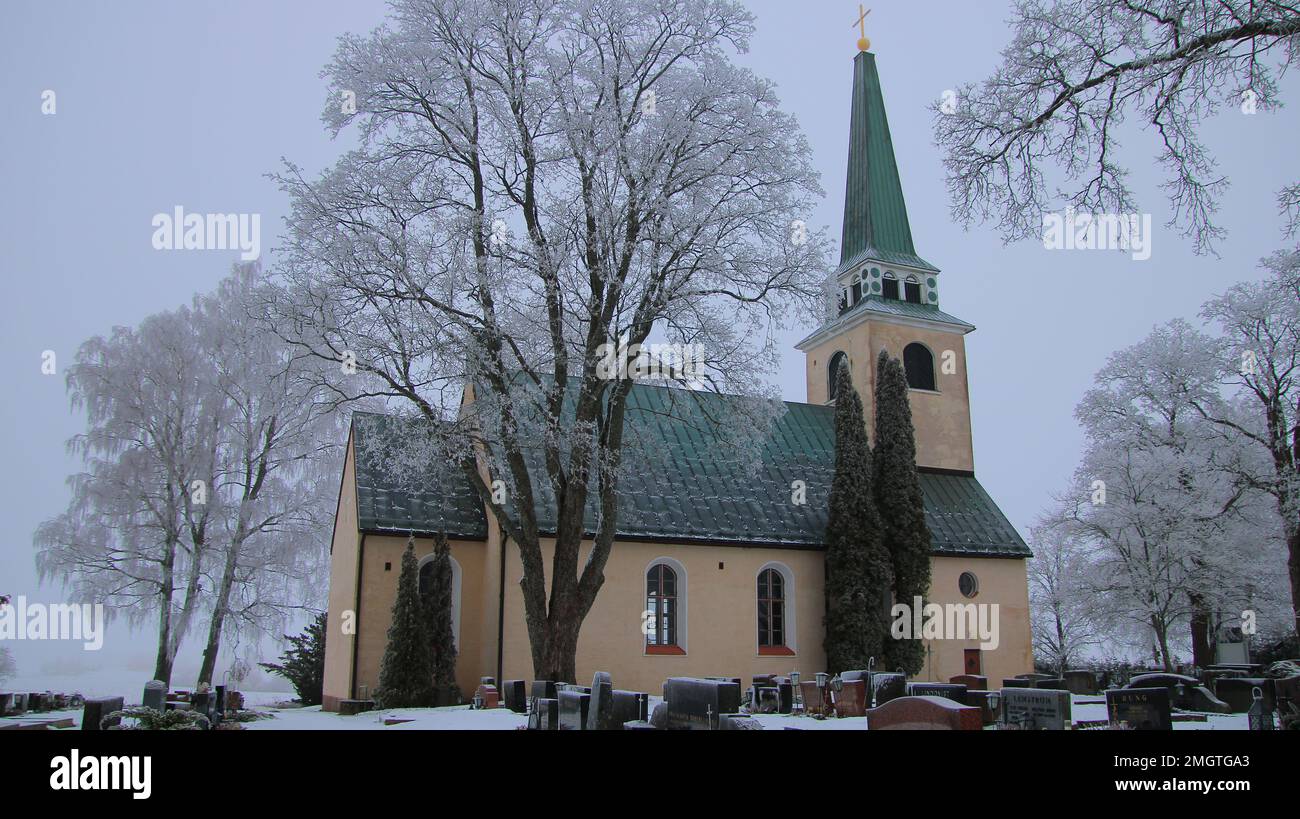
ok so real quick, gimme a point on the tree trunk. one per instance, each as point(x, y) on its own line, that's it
point(1162, 640)
point(1293, 568)
point(559, 650)
point(1202, 645)
point(219, 609)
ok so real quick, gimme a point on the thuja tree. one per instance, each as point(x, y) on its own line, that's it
point(406, 674)
point(535, 181)
point(899, 500)
point(858, 573)
point(303, 663)
point(436, 596)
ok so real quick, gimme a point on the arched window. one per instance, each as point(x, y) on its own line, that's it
point(833, 375)
point(891, 286)
point(918, 362)
point(665, 606)
point(426, 579)
point(912, 290)
point(771, 610)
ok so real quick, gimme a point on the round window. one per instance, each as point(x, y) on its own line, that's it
point(969, 584)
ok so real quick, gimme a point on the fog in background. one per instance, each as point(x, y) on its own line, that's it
point(163, 104)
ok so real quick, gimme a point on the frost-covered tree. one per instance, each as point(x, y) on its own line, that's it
point(898, 498)
point(1051, 116)
point(137, 527)
point(536, 182)
point(275, 485)
point(1261, 364)
point(1067, 617)
point(858, 573)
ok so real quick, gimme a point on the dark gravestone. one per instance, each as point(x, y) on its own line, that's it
point(1287, 692)
point(545, 715)
point(600, 716)
point(764, 681)
point(765, 700)
point(94, 711)
point(155, 694)
point(983, 701)
point(542, 690)
point(954, 692)
point(631, 706)
point(1185, 692)
point(1052, 684)
point(973, 682)
point(515, 695)
point(785, 697)
point(35, 702)
point(851, 700)
point(816, 701)
point(738, 722)
point(574, 708)
point(1016, 682)
point(1144, 709)
point(696, 704)
point(7, 705)
point(200, 701)
point(20, 703)
point(1080, 682)
point(924, 714)
point(659, 717)
point(887, 686)
point(1036, 709)
point(1236, 692)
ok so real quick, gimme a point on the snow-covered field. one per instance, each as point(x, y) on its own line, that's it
point(461, 718)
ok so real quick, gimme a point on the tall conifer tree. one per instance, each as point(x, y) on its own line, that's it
point(438, 602)
point(858, 574)
point(406, 675)
point(899, 501)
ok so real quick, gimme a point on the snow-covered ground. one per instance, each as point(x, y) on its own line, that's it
point(461, 718)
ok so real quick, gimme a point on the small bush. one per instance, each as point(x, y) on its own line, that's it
point(150, 719)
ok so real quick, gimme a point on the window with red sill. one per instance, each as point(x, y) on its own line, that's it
point(661, 603)
point(771, 614)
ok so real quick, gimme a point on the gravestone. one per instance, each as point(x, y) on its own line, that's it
point(631, 706)
point(547, 714)
point(1145, 709)
point(765, 700)
point(983, 700)
point(155, 694)
point(659, 717)
point(785, 697)
point(574, 708)
point(1080, 682)
point(851, 701)
point(600, 717)
point(924, 714)
point(1034, 677)
point(514, 695)
point(887, 686)
point(973, 682)
point(6, 704)
point(764, 681)
point(1185, 692)
point(696, 704)
point(35, 702)
point(20, 703)
point(1051, 684)
point(1236, 692)
point(542, 690)
point(738, 722)
point(816, 701)
point(199, 702)
point(954, 692)
point(1036, 709)
point(487, 695)
point(94, 710)
point(1017, 682)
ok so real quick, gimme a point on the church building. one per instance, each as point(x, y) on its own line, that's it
point(733, 569)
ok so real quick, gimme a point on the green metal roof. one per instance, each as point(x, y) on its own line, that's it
point(689, 486)
point(444, 503)
point(875, 214)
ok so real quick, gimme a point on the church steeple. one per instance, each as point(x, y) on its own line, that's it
point(875, 214)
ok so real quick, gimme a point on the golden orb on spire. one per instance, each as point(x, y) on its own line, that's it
point(863, 43)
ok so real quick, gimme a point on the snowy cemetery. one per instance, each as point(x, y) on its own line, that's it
point(1237, 697)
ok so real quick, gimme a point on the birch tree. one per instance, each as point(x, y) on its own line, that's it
point(539, 181)
point(1066, 616)
point(1051, 116)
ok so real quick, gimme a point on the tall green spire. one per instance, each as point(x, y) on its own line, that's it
point(875, 215)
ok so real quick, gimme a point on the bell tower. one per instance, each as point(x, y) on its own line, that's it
point(887, 297)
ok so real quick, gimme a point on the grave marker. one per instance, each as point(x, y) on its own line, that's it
point(1144, 709)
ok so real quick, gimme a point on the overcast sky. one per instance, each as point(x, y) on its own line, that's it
point(185, 103)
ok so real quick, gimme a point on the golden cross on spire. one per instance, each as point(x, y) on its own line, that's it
point(861, 23)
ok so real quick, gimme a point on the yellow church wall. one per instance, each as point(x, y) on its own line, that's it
point(343, 584)
point(941, 418)
point(721, 621)
point(1002, 581)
